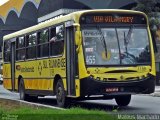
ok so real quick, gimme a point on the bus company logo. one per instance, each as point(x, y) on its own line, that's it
point(121, 77)
point(97, 70)
point(27, 69)
point(24, 69)
point(18, 67)
point(40, 68)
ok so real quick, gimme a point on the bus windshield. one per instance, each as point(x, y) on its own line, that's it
point(116, 45)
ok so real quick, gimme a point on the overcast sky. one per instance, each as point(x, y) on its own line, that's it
point(3, 1)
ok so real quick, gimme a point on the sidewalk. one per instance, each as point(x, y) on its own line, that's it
point(157, 89)
point(157, 92)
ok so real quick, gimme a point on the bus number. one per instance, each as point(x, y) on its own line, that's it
point(91, 59)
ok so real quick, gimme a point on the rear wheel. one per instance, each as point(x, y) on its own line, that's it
point(123, 100)
point(62, 101)
point(22, 94)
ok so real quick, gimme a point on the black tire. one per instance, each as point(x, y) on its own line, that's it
point(123, 100)
point(22, 94)
point(62, 101)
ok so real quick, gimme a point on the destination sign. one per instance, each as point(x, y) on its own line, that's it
point(113, 18)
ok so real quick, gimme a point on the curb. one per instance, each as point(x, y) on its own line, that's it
point(156, 94)
point(21, 102)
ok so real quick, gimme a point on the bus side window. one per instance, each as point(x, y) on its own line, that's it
point(43, 45)
point(57, 40)
point(31, 46)
point(20, 48)
point(7, 47)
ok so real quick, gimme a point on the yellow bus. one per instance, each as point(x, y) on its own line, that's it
point(90, 54)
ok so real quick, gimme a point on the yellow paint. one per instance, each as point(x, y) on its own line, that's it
point(7, 84)
point(38, 84)
point(138, 69)
point(153, 71)
point(13, 4)
point(6, 71)
point(16, 4)
point(64, 84)
point(77, 86)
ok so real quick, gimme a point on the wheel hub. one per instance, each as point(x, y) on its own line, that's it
point(60, 94)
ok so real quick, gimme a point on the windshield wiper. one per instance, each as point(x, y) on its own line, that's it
point(128, 38)
point(103, 40)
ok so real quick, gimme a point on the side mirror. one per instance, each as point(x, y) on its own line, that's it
point(78, 39)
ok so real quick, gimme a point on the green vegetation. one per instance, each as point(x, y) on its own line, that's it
point(21, 112)
point(151, 9)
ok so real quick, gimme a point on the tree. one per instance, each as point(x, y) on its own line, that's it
point(149, 7)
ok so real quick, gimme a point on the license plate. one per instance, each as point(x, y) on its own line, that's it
point(112, 89)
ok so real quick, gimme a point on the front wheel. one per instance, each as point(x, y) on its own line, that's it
point(60, 94)
point(123, 100)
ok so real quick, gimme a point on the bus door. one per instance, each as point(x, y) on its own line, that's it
point(70, 60)
point(13, 63)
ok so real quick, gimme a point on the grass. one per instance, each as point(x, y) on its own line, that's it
point(23, 112)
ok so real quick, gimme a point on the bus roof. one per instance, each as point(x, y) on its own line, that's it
point(58, 20)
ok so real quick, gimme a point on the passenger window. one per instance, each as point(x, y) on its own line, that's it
point(31, 46)
point(7, 47)
point(31, 39)
point(43, 45)
point(20, 55)
point(21, 50)
point(57, 41)
point(43, 36)
point(20, 42)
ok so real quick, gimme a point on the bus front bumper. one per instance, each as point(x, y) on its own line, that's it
point(91, 86)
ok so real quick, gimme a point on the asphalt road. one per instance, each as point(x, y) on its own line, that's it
point(7, 94)
point(140, 104)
